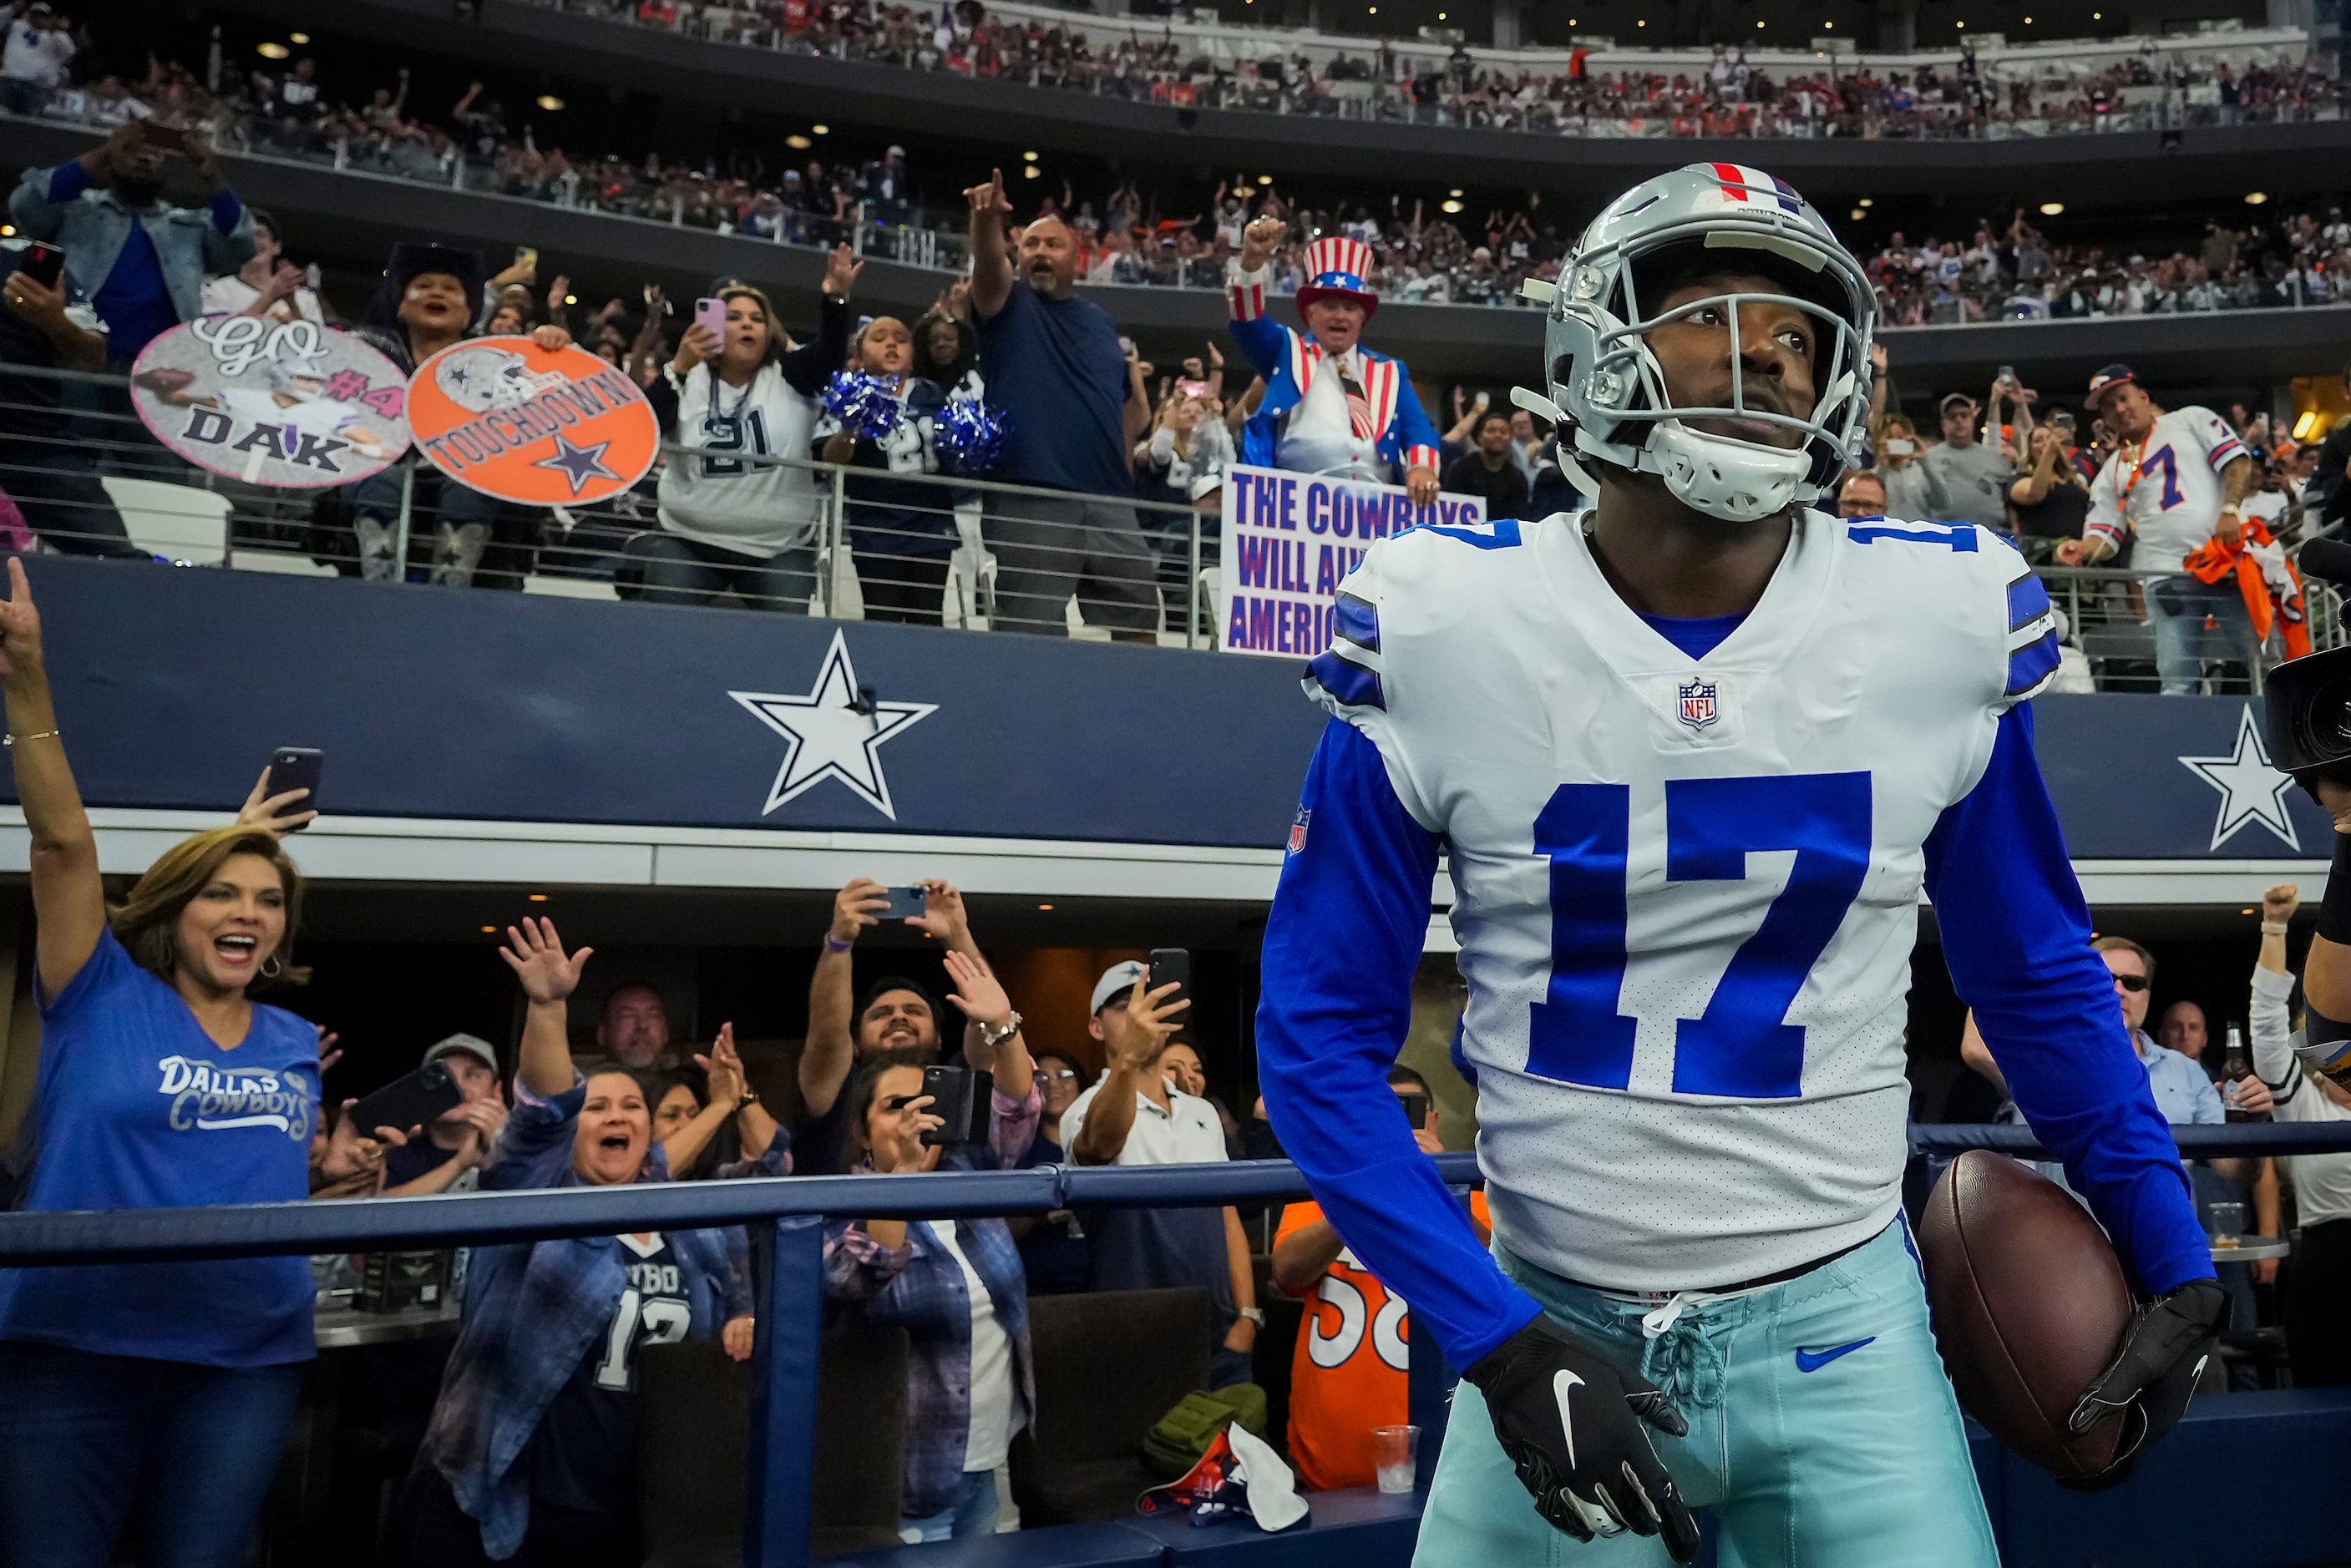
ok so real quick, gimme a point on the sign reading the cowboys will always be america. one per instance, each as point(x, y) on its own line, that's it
point(531, 425)
point(1289, 539)
point(288, 404)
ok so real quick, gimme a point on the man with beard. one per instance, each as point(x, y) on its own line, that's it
point(141, 261)
point(1073, 405)
point(896, 1014)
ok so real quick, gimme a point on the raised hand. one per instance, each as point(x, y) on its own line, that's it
point(943, 913)
point(841, 270)
point(1149, 1020)
point(697, 343)
point(273, 812)
point(978, 992)
point(724, 1068)
point(483, 1119)
point(534, 953)
point(20, 626)
point(2279, 903)
point(905, 1151)
point(988, 200)
point(856, 907)
point(1261, 240)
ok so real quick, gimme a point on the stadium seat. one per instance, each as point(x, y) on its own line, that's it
point(694, 1447)
point(570, 588)
point(178, 521)
point(1108, 1364)
point(284, 562)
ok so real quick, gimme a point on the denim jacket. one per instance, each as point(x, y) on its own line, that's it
point(535, 1308)
point(60, 206)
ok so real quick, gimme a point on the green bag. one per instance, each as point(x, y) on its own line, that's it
point(1176, 1442)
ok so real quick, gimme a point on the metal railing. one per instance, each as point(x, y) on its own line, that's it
point(851, 543)
point(788, 1214)
point(859, 544)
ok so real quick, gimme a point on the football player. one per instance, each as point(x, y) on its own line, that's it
point(1690, 754)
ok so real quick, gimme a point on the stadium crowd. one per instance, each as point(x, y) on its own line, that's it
point(1131, 236)
point(1730, 96)
point(515, 1446)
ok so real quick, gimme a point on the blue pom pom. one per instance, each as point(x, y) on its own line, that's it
point(860, 404)
point(970, 437)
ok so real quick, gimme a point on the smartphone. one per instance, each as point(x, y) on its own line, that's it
point(957, 1101)
point(408, 1102)
point(526, 256)
point(905, 903)
point(42, 264)
point(1897, 447)
point(155, 133)
point(1169, 966)
point(2007, 373)
point(1416, 1110)
point(296, 767)
point(711, 313)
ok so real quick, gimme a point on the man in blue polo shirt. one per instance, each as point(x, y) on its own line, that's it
point(1074, 406)
point(141, 261)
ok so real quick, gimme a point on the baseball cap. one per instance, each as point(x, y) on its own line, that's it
point(2113, 376)
point(1951, 398)
point(470, 1045)
point(1115, 981)
point(895, 152)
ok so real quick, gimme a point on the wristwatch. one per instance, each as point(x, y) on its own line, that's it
point(750, 1097)
point(1255, 1316)
point(993, 1035)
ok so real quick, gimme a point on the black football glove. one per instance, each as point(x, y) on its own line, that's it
point(1572, 1425)
point(2153, 1374)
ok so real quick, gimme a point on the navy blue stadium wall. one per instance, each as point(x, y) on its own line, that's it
point(488, 706)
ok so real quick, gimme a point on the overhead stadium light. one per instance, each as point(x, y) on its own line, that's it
point(550, 102)
point(2050, 209)
point(272, 51)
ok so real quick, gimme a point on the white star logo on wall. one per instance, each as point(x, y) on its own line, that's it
point(826, 738)
point(2250, 790)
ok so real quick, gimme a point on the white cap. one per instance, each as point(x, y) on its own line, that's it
point(471, 1044)
point(1116, 982)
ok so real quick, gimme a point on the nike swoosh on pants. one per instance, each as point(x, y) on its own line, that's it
point(1813, 1360)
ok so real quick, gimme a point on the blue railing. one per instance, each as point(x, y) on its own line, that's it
point(790, 1287)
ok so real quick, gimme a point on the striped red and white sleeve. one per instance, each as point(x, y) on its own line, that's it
point(1246, 291)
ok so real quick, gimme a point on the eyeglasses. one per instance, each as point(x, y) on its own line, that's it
point(1063, 1073)
point(2132, 982)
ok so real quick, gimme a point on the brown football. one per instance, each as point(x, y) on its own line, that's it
point(2030, 1307)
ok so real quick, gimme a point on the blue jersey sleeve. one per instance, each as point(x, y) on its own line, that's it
point(2017, 936)
point(1349, 921)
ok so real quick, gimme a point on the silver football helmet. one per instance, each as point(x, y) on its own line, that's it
point(1608, 395)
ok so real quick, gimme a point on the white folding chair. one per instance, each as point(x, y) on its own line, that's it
point(188, 525)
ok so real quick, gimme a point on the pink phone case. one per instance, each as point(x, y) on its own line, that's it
point(711, 313)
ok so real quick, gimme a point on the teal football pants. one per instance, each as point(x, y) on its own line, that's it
point(1823, 1431)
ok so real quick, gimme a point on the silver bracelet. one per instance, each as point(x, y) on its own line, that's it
point(993, 1037)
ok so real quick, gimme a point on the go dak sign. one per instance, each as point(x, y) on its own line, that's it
point(1291, 538)
point(290, 404)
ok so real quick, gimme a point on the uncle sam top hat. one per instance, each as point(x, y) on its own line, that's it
point(1336, 264)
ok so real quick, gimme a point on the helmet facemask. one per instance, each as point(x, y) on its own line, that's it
point(1609, 385)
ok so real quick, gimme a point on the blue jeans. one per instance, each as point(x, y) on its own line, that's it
point(1855, 1460)
point(2176, 606)
point(85, 1439)
point(972, 1513)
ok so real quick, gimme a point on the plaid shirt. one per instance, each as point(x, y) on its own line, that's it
point(534, 1310)
point(920, 1288)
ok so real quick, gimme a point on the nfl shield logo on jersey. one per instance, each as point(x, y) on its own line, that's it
point(1699, 708)
point(1298, 832)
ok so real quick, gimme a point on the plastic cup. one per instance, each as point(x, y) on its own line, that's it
point(1393, 1449)
point(2225, 1223)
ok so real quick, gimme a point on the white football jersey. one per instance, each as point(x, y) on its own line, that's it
point(2170, 496)
point(1687, 889)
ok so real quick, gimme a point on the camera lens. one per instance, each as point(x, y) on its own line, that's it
point(2324, 721)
